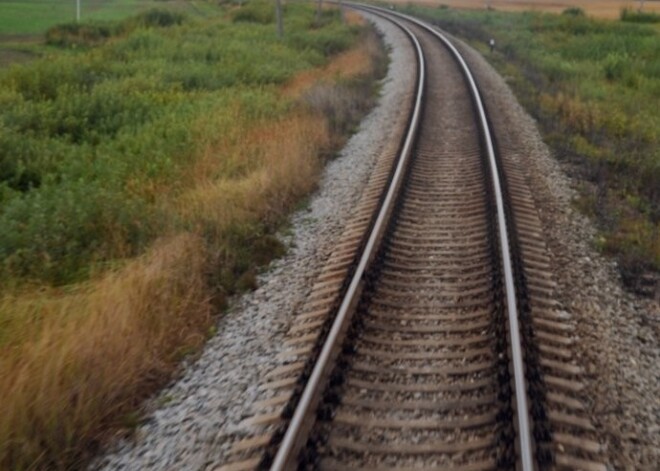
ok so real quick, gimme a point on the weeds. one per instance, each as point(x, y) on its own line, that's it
point(72, 35)
point(141, 182)
point(573, 11)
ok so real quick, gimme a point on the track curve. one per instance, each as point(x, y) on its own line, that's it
point(426, 381)
point(425, 361)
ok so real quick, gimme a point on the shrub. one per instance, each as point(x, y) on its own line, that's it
point(639, 16)
point(79, 34)
point(52, 233)
point(89, 34)
point(615, 66)
point(573, 11)
point(255, 12)
point(159, 18)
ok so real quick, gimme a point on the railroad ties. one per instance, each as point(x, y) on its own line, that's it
point(424, 379)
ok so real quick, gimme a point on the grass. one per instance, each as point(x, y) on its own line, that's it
point(77, 361)
point(143, 174)
point(23, 23)
point(36, 16)
point(592, 85)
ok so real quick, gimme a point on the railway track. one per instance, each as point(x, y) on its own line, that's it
point(432, 340)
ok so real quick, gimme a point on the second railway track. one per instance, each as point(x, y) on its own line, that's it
point(419, 370)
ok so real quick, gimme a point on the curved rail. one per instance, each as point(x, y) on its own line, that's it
point(524, 430)
point(309, 400)
point(299, 424)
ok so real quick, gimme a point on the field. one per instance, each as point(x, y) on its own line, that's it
point(145, 165)
point(30, 17)
point(23, 23)
point(593, 86)
point(596, 8)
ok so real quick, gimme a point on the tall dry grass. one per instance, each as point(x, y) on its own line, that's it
point(76, 362)
point(284, 166)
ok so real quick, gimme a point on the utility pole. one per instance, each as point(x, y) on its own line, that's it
point(278, 17)
point(78, 10)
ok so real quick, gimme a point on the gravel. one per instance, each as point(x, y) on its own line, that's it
point(191, 424)
point(618, 333)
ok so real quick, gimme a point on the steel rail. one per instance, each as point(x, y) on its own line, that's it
point(290, 444)
point(522, 409)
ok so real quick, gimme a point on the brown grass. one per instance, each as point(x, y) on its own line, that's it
point(354, 62)
point(599, 8)
point(76, 362)
point(275, 164)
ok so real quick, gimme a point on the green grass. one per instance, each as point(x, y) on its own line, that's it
point(81, 134)
point(593, 86)
point(36, 16)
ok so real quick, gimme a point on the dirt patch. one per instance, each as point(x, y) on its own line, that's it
point(13, 48)
point(14, 56)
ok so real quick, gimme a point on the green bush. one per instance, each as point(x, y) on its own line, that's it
point(89, 34)
point(79, 34)
point(159, 18)
point(615, 66)
point(50, 233)
point(573, 11)
point(255, 12)
point(639, 16)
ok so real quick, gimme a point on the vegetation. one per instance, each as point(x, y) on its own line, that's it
point(91, 34)
point(141, 180)
point(639, 16)
point(36, 16)
point(593, 87)
point(573, 11)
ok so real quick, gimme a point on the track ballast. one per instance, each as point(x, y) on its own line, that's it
point(443, 327)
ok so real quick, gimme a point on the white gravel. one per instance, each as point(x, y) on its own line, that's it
point(190, 424)
point(618, 333)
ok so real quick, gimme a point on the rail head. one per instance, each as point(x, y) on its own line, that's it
point(524, 429)
point(299, 425)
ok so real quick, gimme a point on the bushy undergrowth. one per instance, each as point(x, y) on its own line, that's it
point(573, 11)
point(93, 33)
point(593, 87)
point(639, 16)
point(140, 183)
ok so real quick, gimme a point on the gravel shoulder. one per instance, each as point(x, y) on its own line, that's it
point(190, 424)
point(617, 336)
